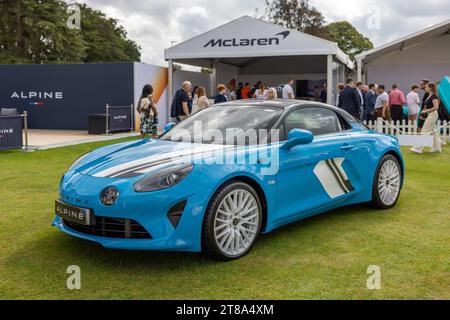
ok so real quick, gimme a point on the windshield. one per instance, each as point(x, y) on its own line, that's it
point(226, 125)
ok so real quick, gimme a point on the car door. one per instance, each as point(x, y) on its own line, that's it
point(313, 176)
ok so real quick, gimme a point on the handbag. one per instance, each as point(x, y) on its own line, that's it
point(144, 105)
point(424, 116)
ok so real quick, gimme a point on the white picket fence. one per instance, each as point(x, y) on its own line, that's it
point(406, 128)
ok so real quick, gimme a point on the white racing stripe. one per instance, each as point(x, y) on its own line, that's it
point(175, 155)
point(333, 177)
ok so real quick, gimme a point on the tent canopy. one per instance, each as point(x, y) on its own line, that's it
point(242, 41)
point(249, 48)
point(409, 41)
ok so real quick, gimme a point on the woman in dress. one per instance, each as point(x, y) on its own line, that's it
point(148, 112)
point(428, 119)
point(261, 93)
point(203, 101)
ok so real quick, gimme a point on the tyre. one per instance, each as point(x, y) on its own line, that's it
point(232, 221)
point(387, 183)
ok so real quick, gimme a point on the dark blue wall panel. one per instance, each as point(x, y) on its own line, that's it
point(61, 96)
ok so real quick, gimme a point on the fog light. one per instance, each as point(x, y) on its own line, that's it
point(109, 196)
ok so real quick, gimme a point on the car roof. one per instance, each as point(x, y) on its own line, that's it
point(287, 104)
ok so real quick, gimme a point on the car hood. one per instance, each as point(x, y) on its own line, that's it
point(142, 157)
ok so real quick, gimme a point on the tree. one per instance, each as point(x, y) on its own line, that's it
point(206, 70)
point(36, 31)
point(349, 39)
point(299, 15)
point(295, 15)
point(107, 40)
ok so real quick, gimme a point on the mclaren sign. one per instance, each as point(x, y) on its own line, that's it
point(245, 42)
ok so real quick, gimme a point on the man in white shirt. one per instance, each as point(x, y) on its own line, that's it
point(413, 101)
point(288, 92)
point(382, 104)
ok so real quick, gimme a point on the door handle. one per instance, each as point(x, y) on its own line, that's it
point(347, 147)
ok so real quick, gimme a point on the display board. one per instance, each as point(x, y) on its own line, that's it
point(120, 118)
point(11, 132)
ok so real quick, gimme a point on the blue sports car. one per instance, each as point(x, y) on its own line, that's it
point(211, 184)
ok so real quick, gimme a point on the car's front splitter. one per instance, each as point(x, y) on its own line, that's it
point(162, 244)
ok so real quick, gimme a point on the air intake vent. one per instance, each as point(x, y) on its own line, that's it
point(174, 214)
point(112, 228)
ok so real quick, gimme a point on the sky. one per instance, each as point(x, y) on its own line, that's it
point(157, 24)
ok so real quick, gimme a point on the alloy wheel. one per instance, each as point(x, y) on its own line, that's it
point(236, 222)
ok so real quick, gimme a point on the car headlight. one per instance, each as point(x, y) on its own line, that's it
point(109, 196)
point(77, 162)
point(163, 179)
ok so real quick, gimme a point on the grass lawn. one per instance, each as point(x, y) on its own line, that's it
point(323, 257)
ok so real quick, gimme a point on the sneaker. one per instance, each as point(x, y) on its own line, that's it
point(416, 151)
point(435, 151)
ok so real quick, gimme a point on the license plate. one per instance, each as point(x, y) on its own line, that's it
point(74, 214)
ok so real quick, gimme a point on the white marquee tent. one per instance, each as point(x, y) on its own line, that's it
point(424, 54)
point(249, 49)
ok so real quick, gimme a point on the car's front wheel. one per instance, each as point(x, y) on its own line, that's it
point(387, 183)
point(232, 222)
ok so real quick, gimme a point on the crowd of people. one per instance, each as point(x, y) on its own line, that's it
point(363, 102)
point(370, 102)
point(189, 99)
point(259, 91)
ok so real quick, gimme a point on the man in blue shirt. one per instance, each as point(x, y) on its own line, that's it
point(369, 102)
point(182, 102)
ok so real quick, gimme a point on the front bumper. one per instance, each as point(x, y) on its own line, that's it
point(148, 209)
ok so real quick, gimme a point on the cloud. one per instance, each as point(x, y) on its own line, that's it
point(397, 18)
point(155, 24)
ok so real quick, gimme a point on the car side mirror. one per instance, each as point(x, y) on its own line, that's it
point(169, 126)
point(297, 137)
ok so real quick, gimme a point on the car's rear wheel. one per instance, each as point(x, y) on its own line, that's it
point(232, 222)
point(387, 183)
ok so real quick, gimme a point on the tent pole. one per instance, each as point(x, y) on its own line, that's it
point(330, 79)
point(170, 87)
point(366, 74)
point(359, 66)
point(215, 78)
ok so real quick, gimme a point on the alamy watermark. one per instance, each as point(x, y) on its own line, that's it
point(374, 17)
point(374, 280)
point(74, 280)
point(232, 147)
point(74, 19)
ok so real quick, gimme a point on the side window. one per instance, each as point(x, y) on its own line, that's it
point(319, 121)
point(344, 124)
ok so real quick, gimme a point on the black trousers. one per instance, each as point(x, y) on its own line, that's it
point(356, 115)
point(368, 116)
point(397, 113)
